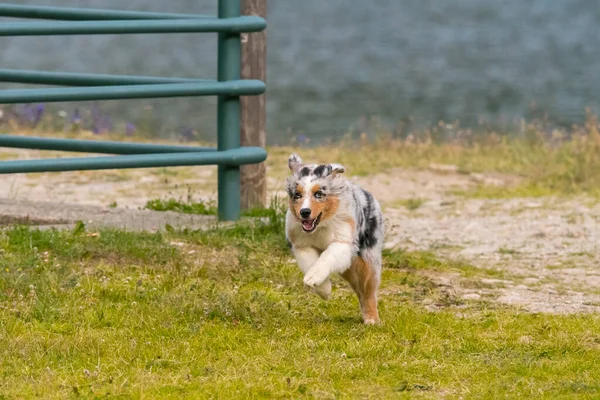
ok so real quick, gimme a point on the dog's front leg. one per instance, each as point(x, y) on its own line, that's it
point(336, 258)
point(306, 258)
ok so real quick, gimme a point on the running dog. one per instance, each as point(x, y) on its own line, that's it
point(334, 226)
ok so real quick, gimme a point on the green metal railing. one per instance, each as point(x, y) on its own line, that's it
point(228, 155)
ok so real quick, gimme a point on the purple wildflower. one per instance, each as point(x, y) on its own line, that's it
point(38, 112)
point(130, 129)
point(187, 134)
point(101, 122)
point(76, 117)
point(302, 139)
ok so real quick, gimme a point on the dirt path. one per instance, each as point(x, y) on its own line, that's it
point(541, 254)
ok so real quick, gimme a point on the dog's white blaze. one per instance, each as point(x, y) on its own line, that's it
point(306, 202)
point(306, 183)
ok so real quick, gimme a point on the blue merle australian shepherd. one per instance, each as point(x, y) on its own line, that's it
point(334, 226)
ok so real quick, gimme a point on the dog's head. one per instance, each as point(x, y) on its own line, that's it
point(314, 191)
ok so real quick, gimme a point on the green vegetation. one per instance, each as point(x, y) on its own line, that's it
point(182, 206)
point(412, 203)
point(536, 160)
point(506, 251)
point(188, 206)
point(223, 314)
point(541, 163)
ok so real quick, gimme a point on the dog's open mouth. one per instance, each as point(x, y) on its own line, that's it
point(309, 225)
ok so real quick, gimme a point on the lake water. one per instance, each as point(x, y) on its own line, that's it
point(335, 65)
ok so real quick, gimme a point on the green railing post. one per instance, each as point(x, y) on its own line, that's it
point(228, 114)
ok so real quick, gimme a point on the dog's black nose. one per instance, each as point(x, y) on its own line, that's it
point(305, 212)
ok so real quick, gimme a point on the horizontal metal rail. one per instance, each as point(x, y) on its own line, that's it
point(85, 14)
point(233, 157)
point(79, 79)
point(210, 88)
point(94, 146)
point(228, 155)
point(224, 25)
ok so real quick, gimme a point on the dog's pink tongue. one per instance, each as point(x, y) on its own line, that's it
point(307, 224)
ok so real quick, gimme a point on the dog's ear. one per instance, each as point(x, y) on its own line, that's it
point(329, 170)
point(337, 169)
point(294, 162)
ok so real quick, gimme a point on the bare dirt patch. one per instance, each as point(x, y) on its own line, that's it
point(130, 188)
point(550, 259)
point(546, 249)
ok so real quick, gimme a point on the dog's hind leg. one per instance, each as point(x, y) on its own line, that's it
point(363, 277)
point(306, 258)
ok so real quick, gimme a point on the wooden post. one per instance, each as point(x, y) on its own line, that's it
point(254, 66)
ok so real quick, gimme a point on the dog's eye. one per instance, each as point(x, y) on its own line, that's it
point(319, 194)
point(297, 195)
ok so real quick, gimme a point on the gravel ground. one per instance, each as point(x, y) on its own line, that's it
point(546, 249)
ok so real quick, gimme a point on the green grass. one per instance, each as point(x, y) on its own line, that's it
point(507, 251)
point(412, 203)
point(182, 206)
point(223, 314)
point(188, 206)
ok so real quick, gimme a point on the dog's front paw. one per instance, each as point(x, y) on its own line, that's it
point(315, 276)
point(324, 289)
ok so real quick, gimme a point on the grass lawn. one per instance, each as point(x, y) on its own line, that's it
point(223, 314)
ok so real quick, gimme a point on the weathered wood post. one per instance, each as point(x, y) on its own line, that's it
point(254, 66)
